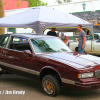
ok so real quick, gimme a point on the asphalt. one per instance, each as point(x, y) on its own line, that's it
point(14, 87)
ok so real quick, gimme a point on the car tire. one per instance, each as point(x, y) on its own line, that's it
point(76, 49)
point(50, 85)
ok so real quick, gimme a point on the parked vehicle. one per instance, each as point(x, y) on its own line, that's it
point(48, 59)
point(96, 36)
point(92, 46)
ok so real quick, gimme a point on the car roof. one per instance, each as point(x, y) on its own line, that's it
point(27, 35)
point(2, 35)
point(97, 34)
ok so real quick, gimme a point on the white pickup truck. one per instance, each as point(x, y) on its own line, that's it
point(92, 45)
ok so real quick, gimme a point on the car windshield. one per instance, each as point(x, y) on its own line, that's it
point(46, 45)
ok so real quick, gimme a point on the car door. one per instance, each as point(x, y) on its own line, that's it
point(96, 47)
point(3, 42)
point(17, 59)
point(89, 46)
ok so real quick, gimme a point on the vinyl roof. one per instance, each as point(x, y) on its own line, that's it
point(31, 35)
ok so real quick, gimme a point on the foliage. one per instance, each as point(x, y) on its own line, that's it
point(34, 3)
point(19, 3)
point(62, 1)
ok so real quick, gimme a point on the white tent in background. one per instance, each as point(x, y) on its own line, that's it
point(40, 18)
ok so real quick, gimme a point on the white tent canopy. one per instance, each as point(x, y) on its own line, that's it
point(43, 17)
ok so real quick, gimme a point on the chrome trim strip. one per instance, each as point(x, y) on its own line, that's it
point(32, 48)
point(8, 41)
point(20, 68)
point(87, 83)
point(37, 73)
point(75, 83)
point(68, 81)
point(88, 86)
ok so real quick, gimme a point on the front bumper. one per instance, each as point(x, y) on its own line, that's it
point(88, 86)
point(83, 86)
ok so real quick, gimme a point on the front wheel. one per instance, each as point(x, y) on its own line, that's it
point(50, 85)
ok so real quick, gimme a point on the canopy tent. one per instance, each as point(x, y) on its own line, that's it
point(43, 17)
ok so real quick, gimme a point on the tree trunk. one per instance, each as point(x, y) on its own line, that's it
point(1, 15)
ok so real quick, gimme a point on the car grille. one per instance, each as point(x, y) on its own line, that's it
point(97, 74)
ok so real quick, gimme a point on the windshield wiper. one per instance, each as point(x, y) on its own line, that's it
point(63, 49)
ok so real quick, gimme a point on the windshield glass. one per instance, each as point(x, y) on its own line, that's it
point(90, 37)
point(46, 45)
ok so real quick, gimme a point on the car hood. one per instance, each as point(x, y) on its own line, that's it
point(74, 59)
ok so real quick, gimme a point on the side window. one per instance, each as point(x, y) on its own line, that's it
point(4, 41)
point(96, 37)
point(98, 40)
point(20, 44)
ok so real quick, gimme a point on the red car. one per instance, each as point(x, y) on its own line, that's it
point(48, 59)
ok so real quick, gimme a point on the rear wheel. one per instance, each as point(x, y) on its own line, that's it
point(50, 85)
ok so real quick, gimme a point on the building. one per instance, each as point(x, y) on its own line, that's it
point(14, 4)
point(90, 13)
point(92, 17)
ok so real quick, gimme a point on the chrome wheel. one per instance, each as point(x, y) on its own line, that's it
point(48, 87)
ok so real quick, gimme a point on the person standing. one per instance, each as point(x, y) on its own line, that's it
point(52, 32)
point(82, 39)
point(58, 34)
point(66, 41)
point(62, 36)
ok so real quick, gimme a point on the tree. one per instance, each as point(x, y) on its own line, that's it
point(1, 15)
point(62, 1)
point(34, 3)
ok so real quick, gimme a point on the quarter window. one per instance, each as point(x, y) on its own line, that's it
point(20, 44)
point(4, 41)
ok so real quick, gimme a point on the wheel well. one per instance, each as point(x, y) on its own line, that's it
point(76, 49)
point(50, 71)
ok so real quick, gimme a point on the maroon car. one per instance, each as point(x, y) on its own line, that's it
point(49, 59)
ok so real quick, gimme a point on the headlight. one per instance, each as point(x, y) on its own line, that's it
point(86, 75)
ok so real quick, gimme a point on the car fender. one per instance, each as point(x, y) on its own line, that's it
point(50, 67)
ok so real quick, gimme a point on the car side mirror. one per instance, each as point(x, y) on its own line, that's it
point(27, 52)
